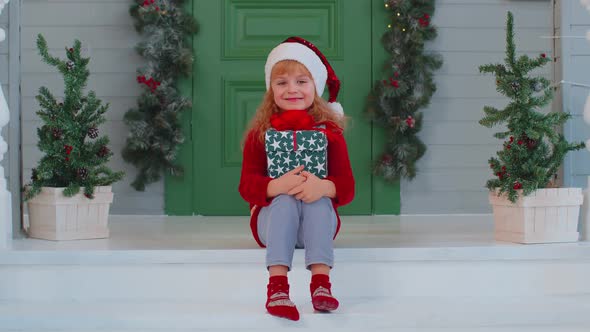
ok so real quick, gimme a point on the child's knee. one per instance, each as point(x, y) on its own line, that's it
point(285, 200)
point(322, 203)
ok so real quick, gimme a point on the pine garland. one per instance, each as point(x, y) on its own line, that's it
point(533, 148)
point(155, 129)
point(74, 155)
point(406, 87)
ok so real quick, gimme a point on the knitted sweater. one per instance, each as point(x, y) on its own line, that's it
point(254, 179)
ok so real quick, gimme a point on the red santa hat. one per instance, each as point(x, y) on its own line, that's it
point(304, 52)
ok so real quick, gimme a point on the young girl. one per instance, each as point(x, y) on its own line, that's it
point(297, 209)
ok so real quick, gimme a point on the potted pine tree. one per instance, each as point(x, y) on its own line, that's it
point(70, 190)
point(525, 210)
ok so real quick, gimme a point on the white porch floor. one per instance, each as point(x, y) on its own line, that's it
point(130, 232)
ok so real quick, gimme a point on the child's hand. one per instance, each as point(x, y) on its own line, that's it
point(286, 182)
point(312, 189)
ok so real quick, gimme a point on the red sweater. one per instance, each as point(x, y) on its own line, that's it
point(254, 179)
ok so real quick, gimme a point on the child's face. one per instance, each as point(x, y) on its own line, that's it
point(293, 90)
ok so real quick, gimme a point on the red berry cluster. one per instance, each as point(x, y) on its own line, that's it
point(410, 121)
point(501, 175)
point(392, 82)
point(150, 83)
point(68, 149)
point(147, 3)
point(424, 21)
point(530, 143)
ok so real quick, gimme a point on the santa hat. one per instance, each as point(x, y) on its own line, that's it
point(304, 52)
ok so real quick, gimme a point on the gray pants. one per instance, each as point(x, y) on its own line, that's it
point(288, 223)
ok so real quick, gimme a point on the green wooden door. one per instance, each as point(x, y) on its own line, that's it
point(228, 84)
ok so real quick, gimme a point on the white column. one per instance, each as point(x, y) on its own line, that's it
point(5, 201)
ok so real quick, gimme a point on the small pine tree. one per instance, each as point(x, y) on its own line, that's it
point(533, 149)
point(74, 154)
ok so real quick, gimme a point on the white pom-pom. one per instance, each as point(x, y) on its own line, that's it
point(587, 110)
point(336, 107)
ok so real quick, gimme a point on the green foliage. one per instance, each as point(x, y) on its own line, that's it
point(407, 85)
point(74, 155)
point(155, 131)
point(533, 148)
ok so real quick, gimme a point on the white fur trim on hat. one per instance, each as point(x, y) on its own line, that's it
point(301, 54)
point(336, 107)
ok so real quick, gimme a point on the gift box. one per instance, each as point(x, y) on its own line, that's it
point(288, 149)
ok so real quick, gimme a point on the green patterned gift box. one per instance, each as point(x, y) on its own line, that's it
point(288, 149)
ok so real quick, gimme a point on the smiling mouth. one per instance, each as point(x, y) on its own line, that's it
point(293, 99)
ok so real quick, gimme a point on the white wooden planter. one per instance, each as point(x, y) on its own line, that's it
point(547, 215)
point(52, 216)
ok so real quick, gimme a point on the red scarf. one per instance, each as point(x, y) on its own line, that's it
point(302, 120)
point(292, 120)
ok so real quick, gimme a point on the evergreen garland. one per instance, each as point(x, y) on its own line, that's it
point(533, 149)
point(74, 154)
point(407, 86)
point(155, 129)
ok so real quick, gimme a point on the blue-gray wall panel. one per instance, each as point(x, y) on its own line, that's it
point(576, 65)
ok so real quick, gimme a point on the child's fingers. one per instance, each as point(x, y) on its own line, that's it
point(295, 170)
point(307, 174)
point(296, 190)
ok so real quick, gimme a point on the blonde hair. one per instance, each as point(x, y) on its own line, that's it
point(319, 109)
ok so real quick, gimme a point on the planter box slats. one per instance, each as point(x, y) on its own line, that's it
point(548, 215)
point(53, 216)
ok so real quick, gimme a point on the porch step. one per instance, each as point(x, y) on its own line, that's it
point(356, 314)
point(380, 289)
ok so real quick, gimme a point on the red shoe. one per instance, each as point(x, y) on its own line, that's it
point(278, 302)
point(321, 293)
